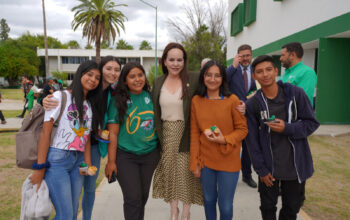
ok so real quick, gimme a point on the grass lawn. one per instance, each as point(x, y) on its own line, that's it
point(12, 113)
point(15, 94)
point(327, 192)
point(12, 178)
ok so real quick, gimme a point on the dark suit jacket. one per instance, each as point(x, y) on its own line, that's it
point(157, 85)
point(235, 82)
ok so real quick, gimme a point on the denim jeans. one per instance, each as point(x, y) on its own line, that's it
point(64, 181)
point(218, 186)
point(90, 184)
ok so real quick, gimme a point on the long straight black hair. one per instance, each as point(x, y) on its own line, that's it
point(202, 89)
point(122, 90)
point(102, 105)
point(92, 97)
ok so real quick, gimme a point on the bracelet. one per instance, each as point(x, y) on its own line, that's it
point(36, 166)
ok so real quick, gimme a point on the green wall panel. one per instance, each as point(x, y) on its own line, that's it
point(237, 19)
point(333, 83)
point(249, 11)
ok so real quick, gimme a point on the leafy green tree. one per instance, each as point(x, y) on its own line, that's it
point(123, 45)
point(151, 75)
point(73, 44)
point(88, 46)
point(145, 45)
point(16, 60)
point(60, 75)
point(202, 45)
point(4, 30)
point(100, 20)
point(104, 45)
point(201, 31)
point(35, 41)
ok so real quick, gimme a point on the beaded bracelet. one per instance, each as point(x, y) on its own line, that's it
point(36, 166)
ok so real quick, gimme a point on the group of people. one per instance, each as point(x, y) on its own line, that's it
point(186, 132)
point(32, 92)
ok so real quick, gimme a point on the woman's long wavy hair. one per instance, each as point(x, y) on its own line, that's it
point(183, 73)
point(92, 97)
point(202, 89)
point(122, 90)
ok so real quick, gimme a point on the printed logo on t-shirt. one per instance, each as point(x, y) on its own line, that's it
point(147, 100)
point(80, 129)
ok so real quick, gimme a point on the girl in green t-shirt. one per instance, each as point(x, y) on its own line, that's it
point(132, 152)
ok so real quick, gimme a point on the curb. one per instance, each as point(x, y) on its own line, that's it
point(2, 130)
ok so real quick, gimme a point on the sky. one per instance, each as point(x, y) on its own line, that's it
point(26, 15)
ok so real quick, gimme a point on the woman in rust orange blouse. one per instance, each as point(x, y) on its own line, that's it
point(217, 129)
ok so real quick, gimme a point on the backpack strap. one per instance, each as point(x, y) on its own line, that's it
point(63, 105)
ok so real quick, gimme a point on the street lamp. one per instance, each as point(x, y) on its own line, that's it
point(156, 8)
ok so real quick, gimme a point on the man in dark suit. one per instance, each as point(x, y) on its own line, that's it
point(241, 83)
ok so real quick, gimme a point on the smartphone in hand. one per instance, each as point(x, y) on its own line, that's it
point(113, 178)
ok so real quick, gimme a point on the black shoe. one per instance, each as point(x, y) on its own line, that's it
point(19, 116)
point(250, 182)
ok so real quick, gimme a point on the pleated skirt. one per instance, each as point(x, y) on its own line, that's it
point(172, 179)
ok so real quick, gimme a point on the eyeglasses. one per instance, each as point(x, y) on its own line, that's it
point(246, 56)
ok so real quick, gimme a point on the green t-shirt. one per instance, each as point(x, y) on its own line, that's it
point(30, 97)
point(137, 133)
point(302, 76)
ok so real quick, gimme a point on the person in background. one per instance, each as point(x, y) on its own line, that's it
point(2, 117)
point(215, 153)
point(32, 94)
point(133, 154)
point(26, 86)
point(241, 83)
point(280, 118)
point(172, 93)
point(204, 61)
point(297, 73)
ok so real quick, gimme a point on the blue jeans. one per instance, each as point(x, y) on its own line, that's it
point(90, 184)
point(221, 186)
point(64, 181)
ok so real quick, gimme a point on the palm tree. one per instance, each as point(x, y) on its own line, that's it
point(99, 19)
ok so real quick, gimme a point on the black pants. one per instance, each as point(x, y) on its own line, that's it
point(134, 176)
point(24, 108)
point(245, 162)
point(293, 196)
point(2, 118)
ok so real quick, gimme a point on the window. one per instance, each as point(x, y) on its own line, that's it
point(122, 60)
point(74, 60)
point(237, 17)
point(249, 11)
point(134, 59)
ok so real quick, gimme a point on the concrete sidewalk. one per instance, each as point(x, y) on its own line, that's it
point(109, 204)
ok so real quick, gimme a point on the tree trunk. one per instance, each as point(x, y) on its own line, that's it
point(45, 40)
point(98, 44)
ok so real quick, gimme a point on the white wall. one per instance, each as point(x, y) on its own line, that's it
point(276, 20)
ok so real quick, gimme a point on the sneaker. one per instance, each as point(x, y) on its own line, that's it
point(19, 116)
point(3, 122)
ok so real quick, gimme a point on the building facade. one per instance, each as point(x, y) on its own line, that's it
point(68, 60)
point(321, 26)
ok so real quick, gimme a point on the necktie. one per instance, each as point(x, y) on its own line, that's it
point(245, 78)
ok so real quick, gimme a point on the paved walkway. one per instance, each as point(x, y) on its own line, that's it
point(109, 204)
point(109, 199)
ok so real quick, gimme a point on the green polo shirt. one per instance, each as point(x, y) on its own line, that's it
point(302, 76)
point(137, 133)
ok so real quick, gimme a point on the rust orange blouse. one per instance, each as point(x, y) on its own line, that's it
point(222, 113)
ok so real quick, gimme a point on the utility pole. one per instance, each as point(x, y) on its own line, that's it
point(45, 40)
point(155, 61)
